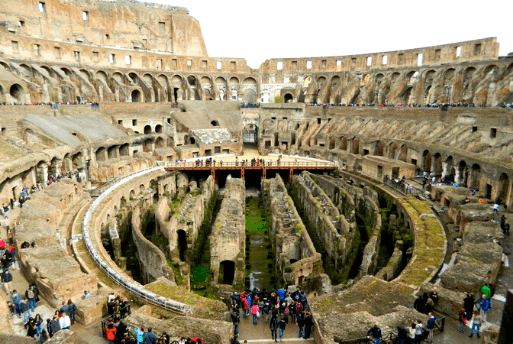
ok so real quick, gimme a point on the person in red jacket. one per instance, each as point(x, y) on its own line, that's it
point(110, 333)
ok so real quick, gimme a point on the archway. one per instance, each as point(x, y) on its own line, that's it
point(158, 128)
point(17, 93)
point(449, 171)
point(287, 98)
point(475, 176)
point(356, 146)
point(332, 142)
point(182, 243)
point(437, 168)
point(504, 187)
point(380, 148)
point(342, 145)
point(147, 129)
point(100, 154)
point(136, 96)
point(159, 142)
point(391, 150)
point(226, 272)
point(403, 154)
point(462, 173)
point(426, 161)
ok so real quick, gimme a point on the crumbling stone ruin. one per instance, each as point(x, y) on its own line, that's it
point(227, 241)
point(108, 129)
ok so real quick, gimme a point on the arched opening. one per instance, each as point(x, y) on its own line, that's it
point(124, 150)
point(342, 145)
point(356, 146)
point(475, 176)
point(449, 171)
point(438, 165)
point(136, 96)
point(191, 141)
point(403, 154)
point(132, 194)
point(158, 128)
point(17, 93)
point(287, 98)
point(226, 272)
point(76, 160)
point(147, 145)
point(504, 188)
point(462, 174)
point(147, 129)
point(122, 202)
point(332, 142)
point(159, 142)
point(426, 161)
point(391, 150)
point(113, 152)
point(182, 243)
point(380, 147)
point(100, 154)
point(214, 123)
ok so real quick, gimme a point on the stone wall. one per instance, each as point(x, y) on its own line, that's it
point(151, 259)
point(228, 239)
point(332, 228)
point(57, 275)
point(296, 256)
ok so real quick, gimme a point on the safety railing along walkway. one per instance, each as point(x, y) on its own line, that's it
point(123, 281)
point(240, 164)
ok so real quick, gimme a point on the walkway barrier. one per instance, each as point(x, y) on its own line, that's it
point(124, 282)
point(240, 164)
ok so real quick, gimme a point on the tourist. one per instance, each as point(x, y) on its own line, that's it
point(110, 334)
point(31, 328)
point(468, 305)
point(402, 334)
point(300, 323)
point(431, 326)
point(43, 338)
point(462, 320)
point(476, 324)
point(64, 321)
point(273, 325)
point(7, 280)
point(71, 311)
point(39, 322)
point(12, 308)
point(25, 309)
point(29, 294)
point(411, 333)
point(16, 300)
point(235, 320)
point(419, 304)
point(150, 337)
point(430, 305)
point(255, 312)
point(375, 333)
point(182, 341)
point(282, 325)
point(419, 328)
point(484, 305)
point(164, 338)
point(308, 323)
point(139, 334)
point(234, 340)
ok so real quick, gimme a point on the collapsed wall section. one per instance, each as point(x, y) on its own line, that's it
point(227, 241)
point(296, 257)
point(334, 231)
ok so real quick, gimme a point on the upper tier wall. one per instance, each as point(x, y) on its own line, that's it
point(121, 24)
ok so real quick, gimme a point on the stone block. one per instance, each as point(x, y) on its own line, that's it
point(92, 308)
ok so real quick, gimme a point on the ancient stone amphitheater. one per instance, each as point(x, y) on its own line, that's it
point(122, 99)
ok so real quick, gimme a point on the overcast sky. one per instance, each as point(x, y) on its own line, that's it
point(262, 29)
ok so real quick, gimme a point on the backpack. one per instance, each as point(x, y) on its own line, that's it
point(299, 308)
point(30, 294)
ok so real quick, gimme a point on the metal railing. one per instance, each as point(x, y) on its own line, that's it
point(124, 282)
point(249, 164)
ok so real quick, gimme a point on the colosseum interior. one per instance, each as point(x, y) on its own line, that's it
point(375, 175)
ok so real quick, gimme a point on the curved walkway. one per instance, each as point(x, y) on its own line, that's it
point(129, 284)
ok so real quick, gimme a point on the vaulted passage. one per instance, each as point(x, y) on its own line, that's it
point(226, 272)
point(182, 243)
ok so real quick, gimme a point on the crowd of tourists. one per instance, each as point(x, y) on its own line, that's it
point(277, 307)
point(408, 105)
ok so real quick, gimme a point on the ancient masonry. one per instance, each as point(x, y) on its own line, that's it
point(122, 99)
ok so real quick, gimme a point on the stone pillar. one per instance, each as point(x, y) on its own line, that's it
point(506, 331)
